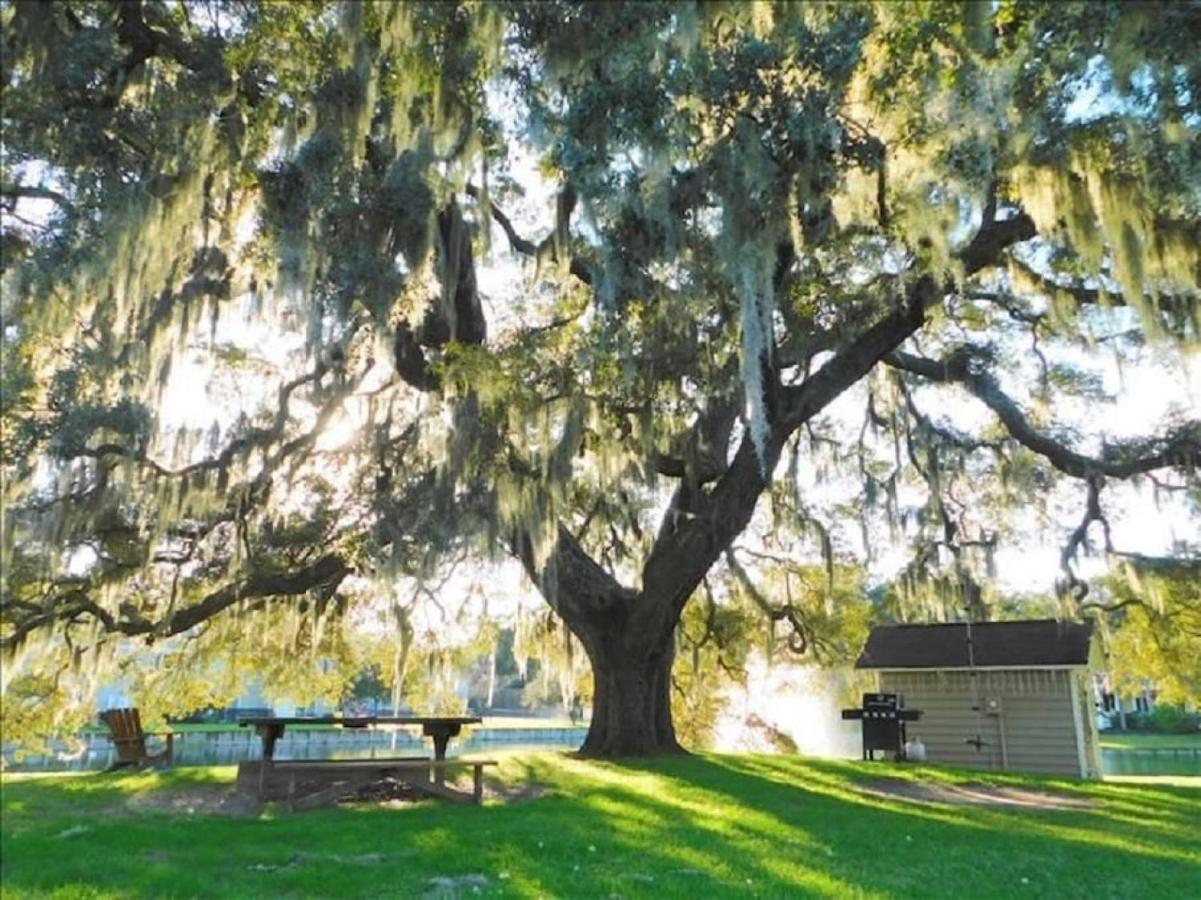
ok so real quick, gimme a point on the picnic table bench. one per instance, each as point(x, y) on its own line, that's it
point(305, 783)
point(327, 780)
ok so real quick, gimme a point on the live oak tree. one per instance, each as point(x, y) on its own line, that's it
point(757, 215)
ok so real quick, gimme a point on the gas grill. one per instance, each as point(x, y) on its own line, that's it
point(884, 717)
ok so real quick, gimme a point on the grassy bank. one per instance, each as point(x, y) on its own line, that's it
point(693, 827)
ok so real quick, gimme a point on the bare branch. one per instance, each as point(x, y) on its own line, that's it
point(800, 637)
point(256, 439)
point(546, 246)
point(33, 192)
point(1079, 537)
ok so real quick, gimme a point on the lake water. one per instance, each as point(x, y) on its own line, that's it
point(220, 748)
point(231, 747)
point(1185, 761)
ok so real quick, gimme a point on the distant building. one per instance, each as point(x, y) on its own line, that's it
point(1114, 705)
point(1003, 696)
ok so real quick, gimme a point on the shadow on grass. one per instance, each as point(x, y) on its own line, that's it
point(872, 843)
point(688, 827)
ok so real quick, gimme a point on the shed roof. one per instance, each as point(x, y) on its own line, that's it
point(1039, 642)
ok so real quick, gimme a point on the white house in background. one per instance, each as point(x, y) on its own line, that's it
point(1004, 696)
point(1113, 706)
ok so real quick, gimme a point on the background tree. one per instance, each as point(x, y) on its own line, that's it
point(764, 215)
point(1154, 614)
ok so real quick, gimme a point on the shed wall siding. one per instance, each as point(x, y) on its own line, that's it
point(1036, 715)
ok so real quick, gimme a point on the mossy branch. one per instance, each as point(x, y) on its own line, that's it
point(1179, 448)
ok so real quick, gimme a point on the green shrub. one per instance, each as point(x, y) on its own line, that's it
point(1170, 720)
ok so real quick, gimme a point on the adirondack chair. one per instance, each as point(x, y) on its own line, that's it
point(125, 728)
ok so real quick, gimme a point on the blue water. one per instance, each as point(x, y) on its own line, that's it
point(231, 747)
point(1151, 762)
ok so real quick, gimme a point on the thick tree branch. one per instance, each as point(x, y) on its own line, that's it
point(699, 454)
point(1180, 448)
point(142, 41)
point(575, 586)
point(33, 192)
point(457, 316)
point(698, 527)
point(993, 237)
point(1172, 303)
point(857, 359)
point(326, 573)
point(258, 438)
point(548, 247)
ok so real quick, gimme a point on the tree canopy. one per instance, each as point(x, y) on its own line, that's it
point(579, 283)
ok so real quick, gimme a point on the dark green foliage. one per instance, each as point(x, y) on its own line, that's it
point(1167, 720)
point(126, 420)
point(406, 203)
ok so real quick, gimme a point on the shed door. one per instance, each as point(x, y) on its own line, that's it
point(949, 722)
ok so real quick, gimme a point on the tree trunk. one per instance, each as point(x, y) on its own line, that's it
point(400, 660)
point(631, 707)
point(491, 675)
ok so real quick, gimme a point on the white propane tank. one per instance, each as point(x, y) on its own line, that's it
point(915, 750)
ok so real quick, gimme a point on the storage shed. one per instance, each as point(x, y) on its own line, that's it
point(1005, 696)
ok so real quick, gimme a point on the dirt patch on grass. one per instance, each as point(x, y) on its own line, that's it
point(299, 860)
point(396, 793)
point(220, 801)
point(974, 794)
point(228, 801)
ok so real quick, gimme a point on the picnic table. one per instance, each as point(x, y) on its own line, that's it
point(440, 728)
point(426, 775)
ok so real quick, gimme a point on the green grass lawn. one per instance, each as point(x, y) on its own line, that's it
point(1138, 741)
point(697, 827)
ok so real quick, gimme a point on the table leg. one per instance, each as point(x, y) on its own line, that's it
point(270, 734)
point(441, 732)
point(441, 739)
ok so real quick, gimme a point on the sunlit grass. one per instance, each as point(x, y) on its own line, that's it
point(1190, 781)
point(1138, 741)
point(694, 827)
